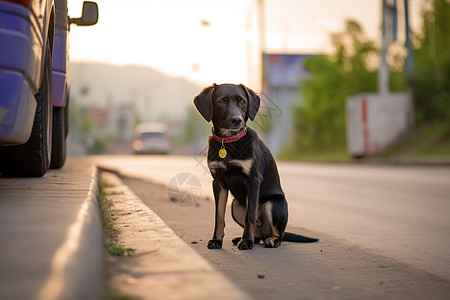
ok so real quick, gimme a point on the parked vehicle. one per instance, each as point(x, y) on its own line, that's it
point(34, 83)
point(151, 138)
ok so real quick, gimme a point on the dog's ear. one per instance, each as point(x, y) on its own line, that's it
point(203, 102)
point(254, 101)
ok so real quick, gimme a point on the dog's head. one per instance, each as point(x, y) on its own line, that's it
point(228, 106)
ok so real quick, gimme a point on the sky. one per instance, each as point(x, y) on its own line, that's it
point(210, 40)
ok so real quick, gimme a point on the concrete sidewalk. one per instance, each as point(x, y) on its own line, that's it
point(51, 238)
point(51, 235)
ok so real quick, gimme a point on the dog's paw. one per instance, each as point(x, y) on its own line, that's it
point(215, 244)
point(245, 245)
point(272, 243)
point(236, 240)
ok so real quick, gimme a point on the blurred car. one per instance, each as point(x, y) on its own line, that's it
point(151, 138)
point(34, 84)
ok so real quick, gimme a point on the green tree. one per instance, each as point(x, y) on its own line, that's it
point(319, 121)
point(430, 81)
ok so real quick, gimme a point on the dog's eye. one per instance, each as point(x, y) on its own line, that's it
point(222, 101)
point(241, 101)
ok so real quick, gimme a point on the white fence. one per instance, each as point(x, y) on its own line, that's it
point(375, 122)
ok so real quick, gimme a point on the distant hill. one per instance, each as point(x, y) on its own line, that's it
point(155, 95)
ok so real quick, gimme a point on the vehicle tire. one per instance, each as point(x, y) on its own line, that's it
point(58, 138)
point(32, 159)
point(66, 115)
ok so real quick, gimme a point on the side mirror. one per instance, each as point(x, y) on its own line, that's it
point(89, 16)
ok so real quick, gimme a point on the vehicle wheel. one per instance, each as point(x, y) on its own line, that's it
point(32, 159)
point(66, 115)
point(58, 138)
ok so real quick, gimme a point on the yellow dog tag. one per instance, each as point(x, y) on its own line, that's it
point(222, 153)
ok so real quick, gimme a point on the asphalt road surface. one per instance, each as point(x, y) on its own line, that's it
point(384, 230)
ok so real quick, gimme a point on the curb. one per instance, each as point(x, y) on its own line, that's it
point(164, 266)
point(76, 270)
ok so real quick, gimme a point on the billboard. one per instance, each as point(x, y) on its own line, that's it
point(282, 77)
point(283, 70)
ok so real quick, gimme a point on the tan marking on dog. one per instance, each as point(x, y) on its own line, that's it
point(245, 165)
point(216, 165)
point(271, 242)
point(220, 222)
point(268, 209)
point(269, 227)
point(238, 212)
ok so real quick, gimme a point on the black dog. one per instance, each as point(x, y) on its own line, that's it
point(240, 163)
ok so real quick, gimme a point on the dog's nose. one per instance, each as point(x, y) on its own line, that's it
point(236, 120)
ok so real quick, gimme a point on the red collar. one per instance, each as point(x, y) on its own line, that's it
point(230, 139)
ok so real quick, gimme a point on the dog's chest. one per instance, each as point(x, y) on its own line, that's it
point(218, 167)
point(238, 158)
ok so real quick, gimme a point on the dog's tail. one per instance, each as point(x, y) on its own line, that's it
point(297, 238)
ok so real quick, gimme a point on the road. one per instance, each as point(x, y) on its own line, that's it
point(384, 230)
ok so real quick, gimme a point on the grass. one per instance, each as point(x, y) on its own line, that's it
point(111, 232)
point(115, 249)
point(430, 140)
point(427, 140)
point(324, 156)
point(110, 235)
point(115, 295)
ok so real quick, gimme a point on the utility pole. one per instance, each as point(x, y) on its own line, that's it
point(262, 39)
point(409, 62)
point(389, 33)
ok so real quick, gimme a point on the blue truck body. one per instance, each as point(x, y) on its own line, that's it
point(22, 36)
point(34, 83)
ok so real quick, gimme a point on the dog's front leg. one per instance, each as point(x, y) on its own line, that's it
point(220, 197)
point(250, 216)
